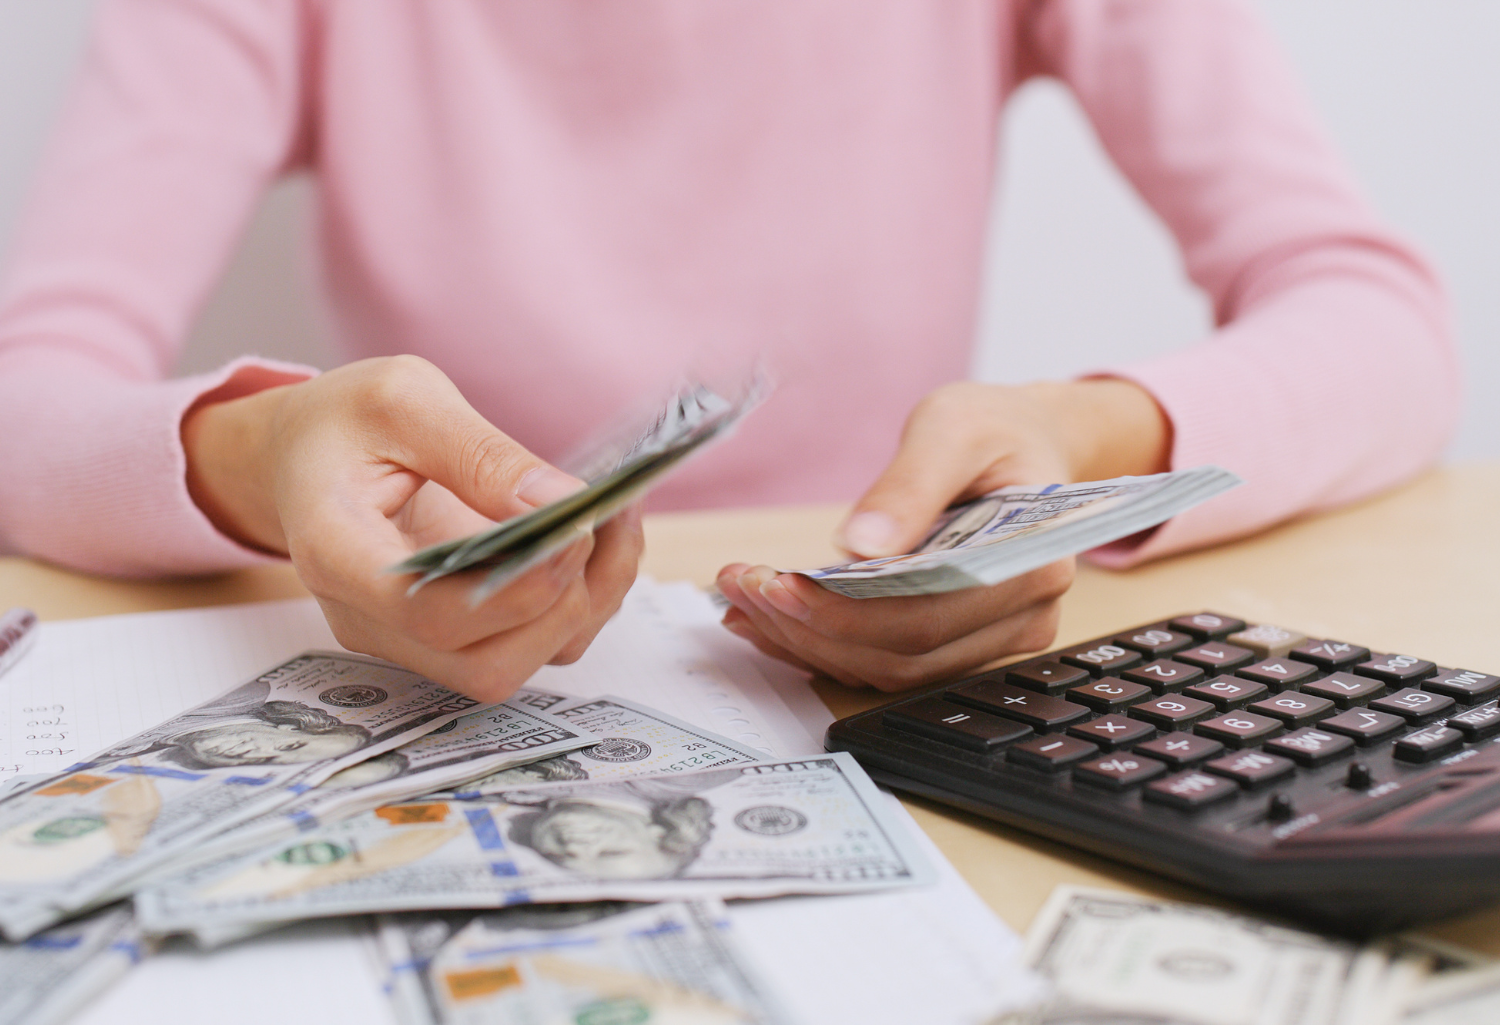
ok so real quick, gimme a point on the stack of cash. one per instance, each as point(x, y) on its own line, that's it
point(1018, 529)
point(616, 471)
point(544, 858)
point(1116, 957)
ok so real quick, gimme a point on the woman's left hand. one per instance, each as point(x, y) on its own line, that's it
point(960, 442)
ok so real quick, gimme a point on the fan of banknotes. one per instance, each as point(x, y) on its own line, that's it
point(617, 470)
point(338, 785)
point(1018, 529)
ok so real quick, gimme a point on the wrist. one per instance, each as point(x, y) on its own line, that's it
point(230, 466)
point(1108, 427)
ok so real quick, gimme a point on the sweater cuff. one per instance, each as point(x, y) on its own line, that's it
point(113, 498)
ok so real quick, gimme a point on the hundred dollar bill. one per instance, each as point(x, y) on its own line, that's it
point(616, 473)
point(46, 979)
point(592, 962)
point(814, 825)
point(1116, 957)
point(1018, 529)
point(634, 741)
point(480, 743)
point(73, 838)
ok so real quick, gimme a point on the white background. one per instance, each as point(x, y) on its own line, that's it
point(1080, 273)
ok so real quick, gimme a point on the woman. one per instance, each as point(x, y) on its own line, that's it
point(562, 204)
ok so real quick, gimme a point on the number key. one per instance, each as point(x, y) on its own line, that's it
point(1396, 669)
point(1164, 676)
point(1108, 694)
point(1217, 657)
point(1239, 729)
point(1415, 706)
point(1227, 693)
point(1278, 673)
point(1155, 641)
point(1294, 709)
point(1100, 659)
point(1345, 689)
point(1208, 625)
point(1173, 712)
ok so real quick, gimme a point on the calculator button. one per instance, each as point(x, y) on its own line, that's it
point(1163, 675)
point(1294, 709)
point(1155, 641)
point(1278, 673)
point(1112, 731)
point(1108, 694)
point(1052, 752)
point(1119, 771)
point(1251, 768)
point(1267, 641)
point(1364, 725)
point(963, 727)
point(1345, 689)
point(1045, 677)
point(1239, 729)
point(1396, 669)
point(1099, 659)
point(1463, 685)
point(1425, 745)
point(1330, 655)
point(1210, 626)
point(1415, 706)
point(1216, 657)
point(1311, 747)
point(1029, 707)
point(1190, 790)
point(1180, 750)
point(1227, 693)
point(1172, 712)
point(1477, 723)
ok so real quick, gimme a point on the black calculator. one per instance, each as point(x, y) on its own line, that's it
point(1352, 790)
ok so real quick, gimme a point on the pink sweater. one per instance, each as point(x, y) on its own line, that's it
point(564, 204)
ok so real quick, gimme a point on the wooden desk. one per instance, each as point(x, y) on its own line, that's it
point(1416, 570)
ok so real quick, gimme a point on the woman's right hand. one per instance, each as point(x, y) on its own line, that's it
point(351, 472)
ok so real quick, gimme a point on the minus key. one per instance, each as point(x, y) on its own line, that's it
point(1052, 752)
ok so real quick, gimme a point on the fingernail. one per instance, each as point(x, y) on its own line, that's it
point(739, 629)
point(780, 596)
point(750, 584)
point(871, 533)
point(545, 484)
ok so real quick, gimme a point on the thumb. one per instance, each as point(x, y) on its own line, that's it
point(930, 470)
point(446, 440)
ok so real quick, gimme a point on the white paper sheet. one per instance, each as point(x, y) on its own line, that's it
point(935, 955)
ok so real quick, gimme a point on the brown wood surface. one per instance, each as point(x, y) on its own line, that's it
point(1416, 570)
